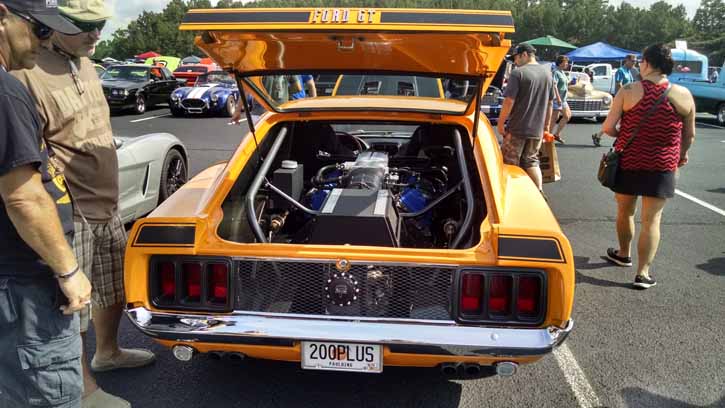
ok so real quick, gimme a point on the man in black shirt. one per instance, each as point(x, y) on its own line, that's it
point(41, 285)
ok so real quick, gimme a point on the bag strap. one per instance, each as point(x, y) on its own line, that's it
point(647, 115)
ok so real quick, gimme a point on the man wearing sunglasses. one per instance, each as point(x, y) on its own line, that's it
point(41, 283)
point(77, 127)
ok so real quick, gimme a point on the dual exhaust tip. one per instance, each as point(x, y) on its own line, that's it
point(503, 369)
point(186, 353)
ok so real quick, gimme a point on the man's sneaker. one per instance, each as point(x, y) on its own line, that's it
point(619, 260)
point(644, 282)
point(596, 139)
point(559, 139)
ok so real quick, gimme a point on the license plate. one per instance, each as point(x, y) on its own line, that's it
point(366, 358)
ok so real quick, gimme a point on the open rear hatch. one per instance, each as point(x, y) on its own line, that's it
point(463, 45)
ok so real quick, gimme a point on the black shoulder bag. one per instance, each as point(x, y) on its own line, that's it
point(608, 166)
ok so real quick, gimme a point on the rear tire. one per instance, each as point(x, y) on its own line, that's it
point(721, 114)
point(174, 174)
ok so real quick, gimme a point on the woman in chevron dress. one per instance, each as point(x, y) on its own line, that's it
point(649, 165)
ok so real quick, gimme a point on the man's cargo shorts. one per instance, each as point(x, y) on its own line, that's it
point(521, 151)
point(40, 348)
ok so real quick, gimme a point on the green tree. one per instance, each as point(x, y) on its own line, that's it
point(709, 25)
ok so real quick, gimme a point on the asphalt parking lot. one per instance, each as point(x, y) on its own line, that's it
point(664, 347)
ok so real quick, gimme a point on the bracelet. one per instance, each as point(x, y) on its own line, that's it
point(69, 274)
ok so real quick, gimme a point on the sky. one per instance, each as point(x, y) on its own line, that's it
point(124, 11)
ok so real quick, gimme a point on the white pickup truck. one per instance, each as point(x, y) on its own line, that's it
point(603, 76)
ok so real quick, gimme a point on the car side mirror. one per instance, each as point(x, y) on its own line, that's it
point(117, 142)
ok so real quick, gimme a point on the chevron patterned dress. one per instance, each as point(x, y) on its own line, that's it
point(649, 164)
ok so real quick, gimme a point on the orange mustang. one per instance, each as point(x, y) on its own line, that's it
point(374, 227)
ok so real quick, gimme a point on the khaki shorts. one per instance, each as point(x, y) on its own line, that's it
point(520, 151)
point(99, 249)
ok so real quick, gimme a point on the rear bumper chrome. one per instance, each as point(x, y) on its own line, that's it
point(445, 338)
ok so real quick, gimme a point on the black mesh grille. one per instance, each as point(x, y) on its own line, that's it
point(585, 104)
point(193, 103)
point(381, 291)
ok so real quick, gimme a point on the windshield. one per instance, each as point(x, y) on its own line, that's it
point(280, 89)
point(126, 73)
point(215, 78)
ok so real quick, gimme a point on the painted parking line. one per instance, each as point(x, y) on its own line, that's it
point(698, 201)
point(576, 378)
point(149, 118)
point(709, 125)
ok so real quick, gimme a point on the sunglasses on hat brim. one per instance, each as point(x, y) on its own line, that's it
point(40, 30)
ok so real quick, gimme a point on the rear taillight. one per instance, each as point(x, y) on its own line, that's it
point(472, 293)
point(167, 275)
point(499, 295)
point(502, 297)
point(528, 297)
point(191, 276)
point(218, 283)
point(191, 283)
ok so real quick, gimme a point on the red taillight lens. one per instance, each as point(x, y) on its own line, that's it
point(499, 296)
point(167, 277)
point(218, 283)
point(192, 281)
point(471, 293)
point(527, 302)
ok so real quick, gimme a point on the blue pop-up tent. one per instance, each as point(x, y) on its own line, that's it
point(599, 51)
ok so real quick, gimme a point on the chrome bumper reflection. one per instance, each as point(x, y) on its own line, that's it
point(446, 338)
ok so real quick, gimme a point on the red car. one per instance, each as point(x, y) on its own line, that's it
point(193, 71)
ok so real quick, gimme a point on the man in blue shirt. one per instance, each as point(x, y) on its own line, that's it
point(298, 83)
point(624, 74)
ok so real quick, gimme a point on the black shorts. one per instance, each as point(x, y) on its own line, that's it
point(40, 362)
point(659, 184)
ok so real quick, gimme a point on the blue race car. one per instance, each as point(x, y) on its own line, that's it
point(213, 93)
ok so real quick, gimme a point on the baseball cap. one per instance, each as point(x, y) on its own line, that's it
point(86, 11)
point(523, 47)
point(44, 12)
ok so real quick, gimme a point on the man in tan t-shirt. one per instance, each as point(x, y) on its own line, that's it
point(77, 126)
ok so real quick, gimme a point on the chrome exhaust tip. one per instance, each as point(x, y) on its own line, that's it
point(236, 356)
point(471, 369)
point(449, 368)
point(506, 368)
point(183, 353)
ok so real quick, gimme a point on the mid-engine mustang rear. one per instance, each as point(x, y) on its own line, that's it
point(373, 227)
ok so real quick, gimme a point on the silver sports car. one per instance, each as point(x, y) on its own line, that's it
point(151, 168)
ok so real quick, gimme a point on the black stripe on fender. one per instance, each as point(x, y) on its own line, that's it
point(530, 248)
point(444, 18)
point(166, 235)
point(225, 17)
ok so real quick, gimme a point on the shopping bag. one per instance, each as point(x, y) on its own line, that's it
point(549, 163)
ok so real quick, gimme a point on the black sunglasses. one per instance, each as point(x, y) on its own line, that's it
point(40, 30)
point(87, 27)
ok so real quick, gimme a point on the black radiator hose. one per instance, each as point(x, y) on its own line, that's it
point(467, 189)
point(320, 180)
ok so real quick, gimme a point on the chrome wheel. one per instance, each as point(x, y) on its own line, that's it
point(140, 104)
point(721, 114)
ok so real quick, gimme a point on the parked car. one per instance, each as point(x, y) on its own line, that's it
point(709, 96)
point(190, 72)
point(585, 101)
point(491, 103)
point(151, 168)
point(357, 231)
point(99, 69)
point(137, 87)
point(214, 93)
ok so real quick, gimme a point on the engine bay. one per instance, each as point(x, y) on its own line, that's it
point(327, 184)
